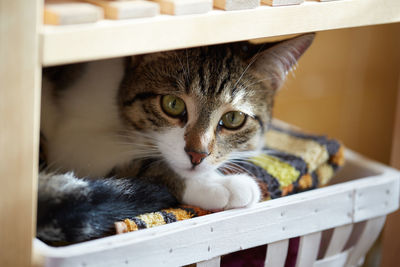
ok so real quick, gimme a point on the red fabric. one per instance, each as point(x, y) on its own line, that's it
point(255, 257)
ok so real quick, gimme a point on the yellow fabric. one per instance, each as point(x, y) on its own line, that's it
point(180, 214)
point(313, 153)
point(325, 173)
point(285, 173)
point(152, 219)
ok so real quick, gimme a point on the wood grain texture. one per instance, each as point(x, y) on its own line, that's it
point(236, 4)
point(276, 253)
point(214, 262)
point(184, 7)
point(338, 240)
point(367, 238)
point(126, 9)
point(391, 233)
point(71, 13)
point(19, 123)
point(337, 260)
point(308, 250)
point(108, 39)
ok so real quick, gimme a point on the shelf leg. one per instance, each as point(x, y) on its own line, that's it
point(391, 233)
point(20, 77)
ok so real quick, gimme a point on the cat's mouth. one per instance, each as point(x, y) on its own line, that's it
point(197, 171)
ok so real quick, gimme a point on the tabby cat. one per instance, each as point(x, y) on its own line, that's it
point(132, 135)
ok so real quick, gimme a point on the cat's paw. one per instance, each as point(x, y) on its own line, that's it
point(244, 191)
point(205, 194)
point(228, 192)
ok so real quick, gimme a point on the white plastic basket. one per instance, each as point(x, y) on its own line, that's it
point(354, 209)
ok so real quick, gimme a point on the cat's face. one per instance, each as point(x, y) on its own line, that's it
point(203, 107)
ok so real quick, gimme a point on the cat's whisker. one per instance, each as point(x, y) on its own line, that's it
point(187, 62)
point(139, 154)
point(135, 134)
point(150, 164)
point(243, 154)
point(149, 146)
point(249, 65)
point(183, 69)
point(231, 167)
point(239, 168)
point(246, 86)
point(245, 163)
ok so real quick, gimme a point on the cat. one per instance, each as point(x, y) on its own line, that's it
point(132, 135)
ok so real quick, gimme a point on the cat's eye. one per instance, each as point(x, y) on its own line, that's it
point(233, 120)
point(173, 105)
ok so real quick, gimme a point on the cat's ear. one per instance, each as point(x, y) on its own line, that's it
point(133, 61)
point(273, 63)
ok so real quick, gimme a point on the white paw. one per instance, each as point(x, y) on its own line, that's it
point(222, 192)
point(208, 195)
point(244, 191)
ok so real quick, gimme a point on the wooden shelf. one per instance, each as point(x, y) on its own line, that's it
point(105, 39)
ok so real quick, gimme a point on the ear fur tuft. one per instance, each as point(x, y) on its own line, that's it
point(277, 61)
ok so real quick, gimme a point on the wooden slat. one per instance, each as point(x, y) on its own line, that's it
point(367, 238)
point(276, 254)
point(308, 250)
point(337, 260)
point(214, 262)
point(120, 38)
point(391, 233)
point(338, 240)
point(374, 201)
point(19, 128)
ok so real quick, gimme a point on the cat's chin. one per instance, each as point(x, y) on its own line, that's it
point(196, 173)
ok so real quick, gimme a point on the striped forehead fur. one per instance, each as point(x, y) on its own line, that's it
point(215, 75)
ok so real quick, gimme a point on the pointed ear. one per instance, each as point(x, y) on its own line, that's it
point(274, 63)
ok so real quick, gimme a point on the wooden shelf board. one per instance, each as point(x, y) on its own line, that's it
point(106, 39)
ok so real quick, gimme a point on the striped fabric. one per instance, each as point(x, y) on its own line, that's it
point(291, 162)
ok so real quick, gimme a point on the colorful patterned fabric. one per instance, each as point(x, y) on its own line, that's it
point(291, 162)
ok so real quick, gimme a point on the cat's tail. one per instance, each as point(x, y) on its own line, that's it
point(73, 210)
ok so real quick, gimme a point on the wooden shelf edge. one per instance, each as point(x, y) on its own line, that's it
point(107, 39)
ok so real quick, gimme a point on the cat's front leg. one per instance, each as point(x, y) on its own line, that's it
point(222, 192)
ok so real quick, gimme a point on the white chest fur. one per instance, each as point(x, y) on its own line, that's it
point(82, 125)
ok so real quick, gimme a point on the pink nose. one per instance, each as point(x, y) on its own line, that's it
point(196, 157)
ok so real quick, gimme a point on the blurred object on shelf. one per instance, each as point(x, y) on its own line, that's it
point(236, 4)
point(127, 9)
point(184, 7)
point(281, 2)
point(65, 13)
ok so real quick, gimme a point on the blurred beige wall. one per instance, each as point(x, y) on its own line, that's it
point(346, 86)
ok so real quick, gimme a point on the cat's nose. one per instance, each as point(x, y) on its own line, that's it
point(196, 157)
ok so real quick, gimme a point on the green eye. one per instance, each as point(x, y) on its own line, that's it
point(173, 106)
point(233, 120)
